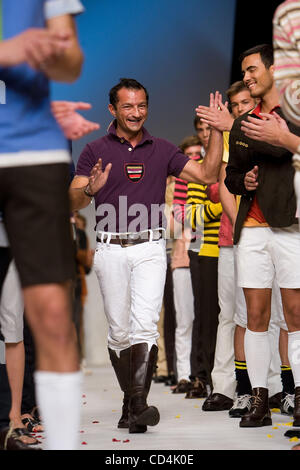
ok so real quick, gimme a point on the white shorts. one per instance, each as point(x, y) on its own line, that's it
point(12, 307)
point(265, 254)
point(240, 308)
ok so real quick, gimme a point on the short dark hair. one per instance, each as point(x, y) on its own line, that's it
point(189, 142)
point(129, 83)
point(265, 51)
point(236, 88)
point(197, 120)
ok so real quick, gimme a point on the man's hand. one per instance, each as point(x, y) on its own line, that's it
point(74, 126)
point(269, 129)
point(98, 177)
point(250, 180)
point(38, 47)
point(217, 114)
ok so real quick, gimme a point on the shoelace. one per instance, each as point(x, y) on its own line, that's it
point(242, 401)
point(256, 401)
point(288, 402)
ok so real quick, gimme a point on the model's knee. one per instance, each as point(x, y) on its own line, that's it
point(257, 320)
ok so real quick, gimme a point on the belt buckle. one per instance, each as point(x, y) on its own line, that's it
point(125, 242)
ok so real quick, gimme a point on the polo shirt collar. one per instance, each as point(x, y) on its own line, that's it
point(257, 110)
point(112, 130)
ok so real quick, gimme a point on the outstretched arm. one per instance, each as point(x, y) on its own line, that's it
point(208, 171)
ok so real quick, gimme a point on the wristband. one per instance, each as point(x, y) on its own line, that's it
point(86, 191)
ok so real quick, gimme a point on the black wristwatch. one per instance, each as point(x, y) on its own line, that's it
point(86, 191)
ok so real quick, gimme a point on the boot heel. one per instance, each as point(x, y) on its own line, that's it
point(149, 417)
point(136, 428)
point(267, 422)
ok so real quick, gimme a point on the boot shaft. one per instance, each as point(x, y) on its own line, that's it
point(121, 367)
point(142, 365)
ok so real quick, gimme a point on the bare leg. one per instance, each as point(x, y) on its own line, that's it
point(283, 347)
point(58, 376)
point(15, 363)
point(49, 314)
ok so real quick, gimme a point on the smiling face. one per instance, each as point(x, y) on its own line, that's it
point(131, 111)
point(241, 102)
point(256, 76)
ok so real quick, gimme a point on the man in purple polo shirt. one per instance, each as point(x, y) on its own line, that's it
point(130, 260)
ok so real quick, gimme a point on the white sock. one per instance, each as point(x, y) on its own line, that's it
point(58, 398)
point(258, 357)
point(294, 355)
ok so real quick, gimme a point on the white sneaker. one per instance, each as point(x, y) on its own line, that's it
point(241, 405)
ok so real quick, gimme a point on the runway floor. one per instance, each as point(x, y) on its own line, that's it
point(183, 425)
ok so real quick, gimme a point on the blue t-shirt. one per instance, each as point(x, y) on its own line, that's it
point(26, 121)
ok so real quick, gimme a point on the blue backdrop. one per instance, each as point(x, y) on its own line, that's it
point(179, 50)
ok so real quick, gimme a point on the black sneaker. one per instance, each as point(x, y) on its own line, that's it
point(241, 405)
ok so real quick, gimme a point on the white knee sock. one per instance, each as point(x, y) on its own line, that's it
point(58, 398)
point(294, 355)
point(258, 357)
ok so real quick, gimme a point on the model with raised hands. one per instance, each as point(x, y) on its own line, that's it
point(130, 258)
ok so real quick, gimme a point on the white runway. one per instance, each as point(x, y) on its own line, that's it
point(183, 424)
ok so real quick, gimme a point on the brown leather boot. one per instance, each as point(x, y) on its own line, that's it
point(121, 366)
point(142, 366)
point(259, 414)
point(296, 415)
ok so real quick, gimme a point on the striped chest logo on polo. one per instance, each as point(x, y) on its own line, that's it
point(134, 171)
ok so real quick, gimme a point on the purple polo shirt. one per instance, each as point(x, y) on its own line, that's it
point(134, 196)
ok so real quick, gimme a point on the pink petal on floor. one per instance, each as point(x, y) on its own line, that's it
point(126, 440)
point(116, 440)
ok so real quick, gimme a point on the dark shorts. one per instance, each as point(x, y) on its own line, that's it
point(36, 212)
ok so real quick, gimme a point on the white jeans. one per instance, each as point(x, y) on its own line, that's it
point(230, 298)
point(184, 307)
point(233, 311)
point(132, 281)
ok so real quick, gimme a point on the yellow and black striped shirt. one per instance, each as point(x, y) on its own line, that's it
point(202, 212)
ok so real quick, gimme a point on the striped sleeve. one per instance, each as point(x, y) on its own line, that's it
point(179, 200)
point(286, 42)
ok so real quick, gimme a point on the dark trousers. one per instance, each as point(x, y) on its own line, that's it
point(28, 397)
point(5, 398)
point(204, 273)
point(169, 322)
